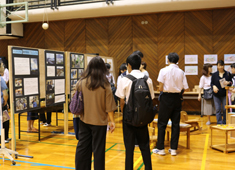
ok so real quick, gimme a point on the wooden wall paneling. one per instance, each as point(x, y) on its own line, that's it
point(120, 39)
point(3, 48)
point(54, 36)
point(34, 35)
point(224, 32)
point(145, 40)
point(198, 39)
point(97, 36)
point(170, 37)
point(75, 37)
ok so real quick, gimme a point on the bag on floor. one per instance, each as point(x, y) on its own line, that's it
point(139, 109)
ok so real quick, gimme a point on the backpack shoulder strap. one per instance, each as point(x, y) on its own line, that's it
point(132, 78)
point(145, 78)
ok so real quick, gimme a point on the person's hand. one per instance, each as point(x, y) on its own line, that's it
point(226, 83)
point(215, 89)
point(199, 98)
point(112, 127)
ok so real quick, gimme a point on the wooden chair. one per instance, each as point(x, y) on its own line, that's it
point(193, 122)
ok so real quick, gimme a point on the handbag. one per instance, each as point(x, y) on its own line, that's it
point(77, 105)
point(208, 94)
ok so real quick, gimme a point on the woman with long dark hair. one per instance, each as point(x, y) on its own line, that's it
point(205, 84)
point(98, 105)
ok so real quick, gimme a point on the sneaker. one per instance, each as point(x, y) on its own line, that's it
point(136, 145)
point(172, 152)
point(46, 124)
point(159, 152)
point(208, 123)
point(42, 123)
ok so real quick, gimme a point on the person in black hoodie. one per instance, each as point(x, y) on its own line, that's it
point(219, 80)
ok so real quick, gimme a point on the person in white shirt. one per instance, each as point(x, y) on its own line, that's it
point(131, 132)
point(109, 75)
point(6, 72)
point(205, 84)
point(122, 72)
point(143, 67)
point(172, 81)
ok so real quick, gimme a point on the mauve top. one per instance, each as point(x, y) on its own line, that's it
point(97, 104)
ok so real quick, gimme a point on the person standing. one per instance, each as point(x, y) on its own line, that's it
point(172, 81)
point(219, 80)
point(143, 67)
point(205, 84)
point(131, 132)
point(98, 105)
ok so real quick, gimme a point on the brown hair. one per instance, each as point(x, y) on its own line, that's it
point(96, 74)
point(205, 69)
point(144, 64)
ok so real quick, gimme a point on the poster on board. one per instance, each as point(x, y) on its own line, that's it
point(210, 58)
point(25, 70)
point(229, 58)
point(191, 70)
point(191, 59)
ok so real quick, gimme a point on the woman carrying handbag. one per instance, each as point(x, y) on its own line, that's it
point(98, 105)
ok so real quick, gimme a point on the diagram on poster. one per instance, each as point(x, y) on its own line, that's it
point(21, 66)
point(229, 58)
point(191, 70)
point(210, 58)
point(191, 59)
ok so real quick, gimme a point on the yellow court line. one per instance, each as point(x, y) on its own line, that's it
point(140, 158)
point(203, 166)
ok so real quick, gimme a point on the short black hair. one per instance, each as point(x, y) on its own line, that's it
point(220, 62)
point(134, 60)
point(233, 65)
point(123, 67)
point(144, 64)
point(139, 53)
point(173, 57)
point(107, 65)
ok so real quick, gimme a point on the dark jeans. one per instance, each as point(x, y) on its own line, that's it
point(142, 136)
point(91, 138)
point(6, 126)
point(218, 101)
point(43, 117)
point(170, 107)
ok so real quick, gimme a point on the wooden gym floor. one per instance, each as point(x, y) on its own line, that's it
point(57, 152)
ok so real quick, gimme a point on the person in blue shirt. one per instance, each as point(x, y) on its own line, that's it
point(31, 116)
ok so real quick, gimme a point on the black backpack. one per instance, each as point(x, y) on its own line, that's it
point(139, 109)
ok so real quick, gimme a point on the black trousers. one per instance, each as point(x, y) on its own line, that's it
point(142, 136)
point(44, 119)
point(91, 138)
point(170, 107)
point(6, 126)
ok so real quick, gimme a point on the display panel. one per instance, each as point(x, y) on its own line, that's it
point(25, 70)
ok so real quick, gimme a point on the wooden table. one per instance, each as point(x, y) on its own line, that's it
point(183, 128)
point(224, 147)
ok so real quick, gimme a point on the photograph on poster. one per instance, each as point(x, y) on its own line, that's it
point(18, 92)
point(210, 58)
point(21, 103)
point(73, 84)
point(18, 82)
point(50, 86)
point(34, 66)
point(33, 101)
point(191, 70)
point(21, 66)
point(59, 98)
point(110, 61)
point(80, 71)
point(229, 58)
point(77, 61)
point(30, 86)
point(228, 68)
point(59, 59)
point(214, 68)
point(59, 86)
point(50, 98)
point(89, 59)
point(50, 58)
point(74, 74)
point(59, 71)
point(50, 71)
point(191, 59)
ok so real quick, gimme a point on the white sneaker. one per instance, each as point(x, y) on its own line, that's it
point(172, 152)
point(159, 152)
point(46, 124)
point(208, 123)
